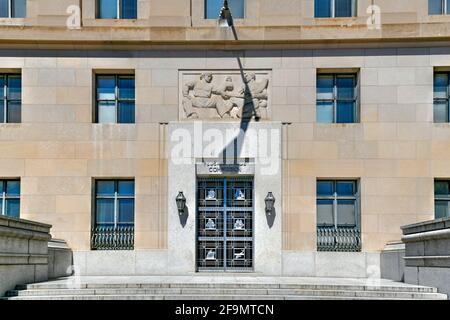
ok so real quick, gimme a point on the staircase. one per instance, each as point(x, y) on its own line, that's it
point(218, 288)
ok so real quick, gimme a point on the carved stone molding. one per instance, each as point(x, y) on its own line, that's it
point(225, 95)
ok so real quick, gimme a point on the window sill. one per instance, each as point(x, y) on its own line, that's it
point(338, 124)
point(114, 22)
point(112, 123)
point(335, 18)
point(12, 21)
point(116, 19)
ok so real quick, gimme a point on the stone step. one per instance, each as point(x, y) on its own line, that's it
point(222, 291)
point(267, 286)
point(196, 297)
point(222, 288)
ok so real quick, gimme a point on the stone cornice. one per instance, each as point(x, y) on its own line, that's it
point(428, 235)
point(244, 35)
point(20, 228)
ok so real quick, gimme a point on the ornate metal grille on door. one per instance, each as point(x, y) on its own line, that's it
point(225, 224)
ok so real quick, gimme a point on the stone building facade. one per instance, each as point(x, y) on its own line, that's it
point(195, 80)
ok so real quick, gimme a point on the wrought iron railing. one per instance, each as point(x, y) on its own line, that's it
point(113, 238)
point(342, 239)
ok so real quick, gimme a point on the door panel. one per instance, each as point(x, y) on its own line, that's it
point(225, 224)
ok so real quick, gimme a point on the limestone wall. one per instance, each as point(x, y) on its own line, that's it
point(396, 150)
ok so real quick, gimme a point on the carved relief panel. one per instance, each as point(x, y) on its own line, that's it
point(225, 95)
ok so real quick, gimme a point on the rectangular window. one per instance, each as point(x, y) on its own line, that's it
point(337, 98)
point(10, 98)
point(10, 202)
point(115, 95)
point(114, 215)
point(441, 97)
point(117, 9)
point(13, 8)
point(338, 215)
point(438, 7)
point(334, 8)
point(442, 198)
point(213, 7)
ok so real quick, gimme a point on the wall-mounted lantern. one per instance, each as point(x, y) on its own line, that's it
point(270, 201)
point(225, 17)
point(181, 202)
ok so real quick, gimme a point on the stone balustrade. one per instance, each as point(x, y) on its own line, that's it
point(28, 254)
point(427, 254)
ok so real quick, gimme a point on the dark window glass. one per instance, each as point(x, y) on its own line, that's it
point(126, 88)
point(212, 8)
point(14, 87)
point(13, 208)
point(345, 112)
point(126, 211)
point(442, 198)
point(14, 112)
point(336, 98)
point(325, 105)
point(106, 88)
point(10, 198)
point(13, 188)
point(114, 202)
point(440, 112)
point(105, 188)
point(346, 214)
point(126, 188)
point(126, 112)
point(441, 108)
point(325, 85)
point(2, 98)
point(129, 9)
point(340, 198)
point(441, 209)
point(440, 85)
point(19, 8)
point(334, 8)
point(343, 8)
point(441, 188)
point(322, 8)
point(4, 8)
point(345, 188)
point(2, 111)
point(115, 99)
point(435, 7)
point(325, 216)
point(105, 211)
point(107, 9)
point(345, 87)
point(10, 98)
point(325, 188)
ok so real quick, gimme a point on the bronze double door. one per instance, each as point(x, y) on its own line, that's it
point(225, 224)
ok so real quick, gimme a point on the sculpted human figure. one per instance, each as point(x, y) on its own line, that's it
point(207, 95)
point(253, 95)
